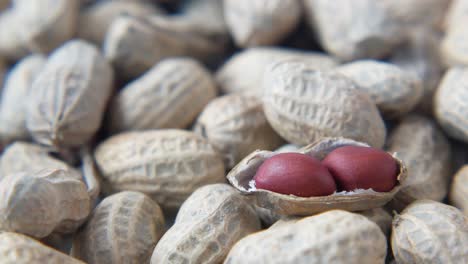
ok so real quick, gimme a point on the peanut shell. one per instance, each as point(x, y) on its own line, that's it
point(242, 175)
point(124, 228)
point(244, 71)
point(39, 203)
point(236, 125)
point(355, 29)
point(453, 46)
point(381, 217)
point(68, 97)
point(13, 106)
point(169, 95)
point(430, 232)
point(419, 142)
point(459, 190)
point(208, 224)
point(287, 148)
point(332, 237)
point(303, 104)
point(457, 13)
point(451, 103)
point(168, 165)
point(20, 249)
point(394, 91)
point(261, 22)
point(95, 20)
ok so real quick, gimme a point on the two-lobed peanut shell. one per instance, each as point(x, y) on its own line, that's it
point(303, 105)
point(332, 237)
point(459, 190)
point(169, 95)
point(430, 232)
point(208, 224)
point(281, 204)
point(123, 228)
point(236, 125)
point(69, 96)
point(168, 164)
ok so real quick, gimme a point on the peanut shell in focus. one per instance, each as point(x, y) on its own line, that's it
point(459, 190)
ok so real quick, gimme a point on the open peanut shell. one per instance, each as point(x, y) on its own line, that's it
point(241, 177)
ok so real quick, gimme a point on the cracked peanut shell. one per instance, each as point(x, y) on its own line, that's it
point(168, 165)
point(281, 204)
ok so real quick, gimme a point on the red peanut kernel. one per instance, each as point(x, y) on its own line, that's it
point(296, 174)
point(356, 167)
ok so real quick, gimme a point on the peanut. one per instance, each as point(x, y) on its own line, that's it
point(169, 95)
point(168, 165)
point(13, 106)
point(236, 125)
point(459, 190)
point(68, 97)
point(381, 217)
point(124, 228)
point(43, 202)
point(18, 249)
point(303, 105)
point(332, 237)
point(208, 224)
point(430, 232)
point(261, 22)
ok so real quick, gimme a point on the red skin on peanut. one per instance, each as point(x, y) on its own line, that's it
point(295, 173)
point(356, 167)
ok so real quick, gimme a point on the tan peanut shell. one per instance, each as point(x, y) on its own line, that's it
point(20, 249)
point(303, 104)
point(332, 237)
point(168, 164)
point(242, 175)
point(261, 22)
point(39, 203)
point(27, 157)
point(13, 104)
point(456, 13)
point(169, 95)
point(459, 190)
point(420, 56)
point(236, 125)
point(244, 71)
point(35, 27)
point(430, 232)
point(134, 45)
point(68, 97)
point(123, 228)
point(453, 46)
point(208, 224)
point(451, 103)
point(91, 176)
point(394, 91)
point(95, 20)
point(381, 217)
point(426, 152)
point(355, 29)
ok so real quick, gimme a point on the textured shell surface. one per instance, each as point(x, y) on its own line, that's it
point(303, 105)
point(95, 20)
point(381, 217)
point(426, 151)
point(353, 29)
point(417, 16)
point(459, 190)
point(40, 203)
point(12, 105)
point(27, 157)
point(451, 103)
point(261, 22)
point(166, 164)
point(242, 175)
point(169, 95)
point(332, 237)
point(123, 228)
point(430, 232)
point(69, 96)
point(236, 125)
point(244, 71)
point(394, 91)
point(18, 249)
point(208, 224)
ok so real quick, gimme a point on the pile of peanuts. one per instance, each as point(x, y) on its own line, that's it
point(234, 131)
